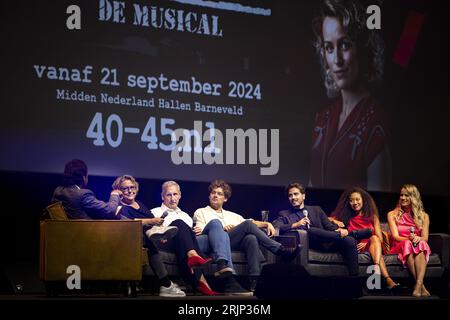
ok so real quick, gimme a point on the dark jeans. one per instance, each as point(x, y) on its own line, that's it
point(346, 246)
point(247, 237)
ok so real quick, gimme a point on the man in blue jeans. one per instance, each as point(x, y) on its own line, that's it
point(186, 244)
point(228, 231)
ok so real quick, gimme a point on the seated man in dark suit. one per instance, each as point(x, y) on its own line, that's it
point(79, 202)
point(321, 230)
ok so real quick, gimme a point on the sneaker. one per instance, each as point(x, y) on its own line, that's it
point(157, 233)
point(173, 291)
point(233, 288)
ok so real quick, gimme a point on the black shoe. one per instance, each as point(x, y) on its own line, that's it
point(252, 282)
point(223, 270)
point(288, 254)
point(233, 288)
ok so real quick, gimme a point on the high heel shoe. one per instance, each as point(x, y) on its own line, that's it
point(205, 290)
point(197, 261)
point(391, 285)
point(425, 292)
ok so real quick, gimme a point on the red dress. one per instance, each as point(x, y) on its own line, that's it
point(405, 248)
point(360, 222)
point(340, 158)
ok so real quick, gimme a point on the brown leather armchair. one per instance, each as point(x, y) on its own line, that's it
point(104, 250)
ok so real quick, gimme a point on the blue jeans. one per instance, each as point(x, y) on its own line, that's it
point(214, 239)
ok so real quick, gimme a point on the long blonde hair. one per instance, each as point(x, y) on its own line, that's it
point(416, 204)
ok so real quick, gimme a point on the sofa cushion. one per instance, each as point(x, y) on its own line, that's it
point(363, 258)
point(386, 242)
point(334, 257)
point(170, 257)
point(391, 259)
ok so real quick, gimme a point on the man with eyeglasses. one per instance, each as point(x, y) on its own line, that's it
point(80, 202)
point(243, 234)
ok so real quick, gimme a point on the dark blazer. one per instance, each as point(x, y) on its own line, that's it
point(128, 212)
point(316, 215)
point(81, 203)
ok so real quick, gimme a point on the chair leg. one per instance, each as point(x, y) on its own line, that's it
point(130, 289)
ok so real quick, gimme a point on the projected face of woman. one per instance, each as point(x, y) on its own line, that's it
point(129, 191)
point(340, 54)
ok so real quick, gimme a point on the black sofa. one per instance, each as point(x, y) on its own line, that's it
point(320, 263)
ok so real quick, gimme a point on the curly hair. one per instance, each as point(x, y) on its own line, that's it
point(116, 184)
point(221, 184)
point(352, 16)
point(416, 204)
point(344, 211)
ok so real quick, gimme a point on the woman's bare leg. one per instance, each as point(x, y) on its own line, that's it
point(376, 253)
point(421, 268)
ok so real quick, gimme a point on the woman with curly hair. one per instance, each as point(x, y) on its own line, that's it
point(409, 226)
point(349, 143)
point(357, 211)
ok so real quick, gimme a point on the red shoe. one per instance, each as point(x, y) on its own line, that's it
point(203, 289)
point(197, 261)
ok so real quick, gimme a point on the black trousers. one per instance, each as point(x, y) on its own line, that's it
point(184, 241)
point(318, 238)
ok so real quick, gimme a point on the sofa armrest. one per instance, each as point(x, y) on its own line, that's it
point(301, 239)
point(440, 244)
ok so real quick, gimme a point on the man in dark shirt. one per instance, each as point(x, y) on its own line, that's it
point(320, 229)
point(79, 202)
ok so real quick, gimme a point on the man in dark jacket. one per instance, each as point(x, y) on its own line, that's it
point(79, 202)
point(321, 231)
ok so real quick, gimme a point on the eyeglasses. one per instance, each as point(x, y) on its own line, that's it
point(130, 188)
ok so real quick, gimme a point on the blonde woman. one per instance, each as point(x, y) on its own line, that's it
point(409, 225)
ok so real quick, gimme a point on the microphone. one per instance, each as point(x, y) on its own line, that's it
point(305, 213)
point(164, 214)
point(411, 233)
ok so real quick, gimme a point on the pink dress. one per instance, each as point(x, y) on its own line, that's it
point(360, 222)
point(405, 248)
